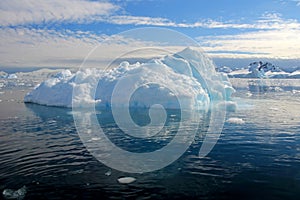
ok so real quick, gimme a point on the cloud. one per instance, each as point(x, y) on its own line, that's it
point(270, 36)
point(15, 12)
point(28, 47)
point(140, 20)
point(298, 2)
point(267, 21)
point(284, 44)
point(42, 47)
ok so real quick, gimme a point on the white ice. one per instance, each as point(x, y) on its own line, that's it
point(12, 76)
point(158, 81)
point(235, 120)
point(126, 180)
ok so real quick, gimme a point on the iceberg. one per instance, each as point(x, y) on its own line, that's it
point(187, 75)
point(262, 70)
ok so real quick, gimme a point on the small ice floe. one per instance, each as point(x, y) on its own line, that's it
point(278, 89)
point(15, 194)
point(12, 76)
point(108, 173)
point(52, 121)
point(295, 91)
point(235, 120)
point(248, 94)
point(274, 108)
point(126, 180)
point(95, 138)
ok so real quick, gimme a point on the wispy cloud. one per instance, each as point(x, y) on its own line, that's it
point(271, 36)
point(15, 12)
point(298, 2)
point(140, 20)
point(42, 47)
point(267, 21)
point(283, 43)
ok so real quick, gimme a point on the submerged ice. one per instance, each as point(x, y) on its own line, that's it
point(18, 194)
point(187, 75)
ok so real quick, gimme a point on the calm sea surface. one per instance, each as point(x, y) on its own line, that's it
point(260, 159)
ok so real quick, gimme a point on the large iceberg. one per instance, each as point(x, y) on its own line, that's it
point(187, 75)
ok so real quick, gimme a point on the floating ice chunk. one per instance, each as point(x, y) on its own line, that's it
point(95, 138)
point(12, 76)
point(248, 94)
point(224, 69)
point(295, 91)
point(126, 180)
point(274, 108)
point(15, 194)
point(3, 74)
point(278, 89)
point(235, 120)
point(108, 173)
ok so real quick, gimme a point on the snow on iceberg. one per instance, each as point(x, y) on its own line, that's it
point(159, 81)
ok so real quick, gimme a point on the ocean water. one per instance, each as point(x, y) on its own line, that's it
point(259, 159)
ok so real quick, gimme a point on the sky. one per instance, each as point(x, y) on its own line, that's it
point(61, 33)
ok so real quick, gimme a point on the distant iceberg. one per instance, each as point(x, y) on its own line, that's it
point(187, 75)
point(260, 70)
point(295, 74)
point(12, 76)
point(3, 74)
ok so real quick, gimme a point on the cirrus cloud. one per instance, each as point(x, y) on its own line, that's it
point(14, 12)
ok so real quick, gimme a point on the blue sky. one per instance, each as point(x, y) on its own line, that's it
point(62, 32)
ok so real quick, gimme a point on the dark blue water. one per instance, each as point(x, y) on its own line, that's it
point(260, 159)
